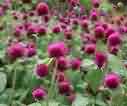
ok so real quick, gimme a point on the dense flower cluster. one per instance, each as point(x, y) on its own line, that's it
point(61, 47)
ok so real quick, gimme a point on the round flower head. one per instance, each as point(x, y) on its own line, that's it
point(90, 48)
point(109, 31)
point(16, 50)
point(57, 49)
point(114, 39)
point(38, 93)
point(94, 16)
point(41, 70)
point(64, 87)
point(41, 30)
point(62, 63)
point(112, 80)
point(75, 63)
point(84, 24)
point(99, 32)
point(100, 59)
point(96, 3)
point(42, 8)
point(30, 50)
point(56, 29)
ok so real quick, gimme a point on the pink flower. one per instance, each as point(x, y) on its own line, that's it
point(68, 34)
point(76, 63)
point(112, 80)
point(56, 29)
point(57, 49)
point(42, 9)
point(41, 30)
point(99, 32)
point(114, 39)
point(96, 3)
point(16, 50)
point(39, 93)
point(62, 63)
point(64, 87)
point(94, 16)
point(100, 59)
point(90, 48)
point(30, 50)
point(41, 70)
point(84, 24)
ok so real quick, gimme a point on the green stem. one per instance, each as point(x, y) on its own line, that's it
point(13, 88)
point(53, 81)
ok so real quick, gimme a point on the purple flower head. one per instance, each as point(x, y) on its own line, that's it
point(57, 49)
point(41, 70)
point(16, 50)
point(39, 93)
point(100, 59)
point(112, 80)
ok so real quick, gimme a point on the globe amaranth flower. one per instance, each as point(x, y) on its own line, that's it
point(30, 49)
point(62, 63)
point(15, 50)
point(96, 3)
point(100, 59)
point(57, 49)
point(39, 93)
point(75, 63)
point(99, 32)
point(41, 70)
point(90, 48)
point(112, 80)
point(42, 8)
point(56, 29)
point(114, 39)
point(64, 87)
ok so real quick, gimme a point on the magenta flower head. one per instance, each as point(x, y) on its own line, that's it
point(96, 3)
point(68, 34)
point(41, 70)
point(57, 49)
point(94, 16)
point(15, 50)
point(99, 32)
point(62, 63)
point(90, 48)
point(42, 30)
point(56, 29)
point(113, 49)
point(73, 2)
point(30, 50)
point(112, 80)
point(39, 93)
point(109, 31)
point(100, 59)
point(84, 24)
point(114, 39)
point(64, 87)
point(42, 8)
point(32, 29)
point(76, 63)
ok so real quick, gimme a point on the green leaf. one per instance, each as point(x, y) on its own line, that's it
point(43, 103)
point(35, 104)
point(3, 81)
point(80, 101)
point(3, 105)
point(114, 62)
point(94, 78)
point(86, 3)
point(106, 6)
point(74, 76)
